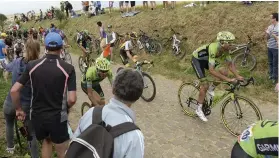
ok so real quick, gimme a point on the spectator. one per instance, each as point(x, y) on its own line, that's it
point(203, 3)
point(110, 39)
point(110, 6)
point(165, 4)
point(127, 6)
point(52, 96)
point(121, 6)
point(98, 7)
point(102, 35)
point(153, 4)
point(173, 4)
point(62, 6)
point(272, 45)
point(17, 67)
point(133, 6)
point(41, 15)
point(3, 50)
point(145, 4)
point(127, 89)
point(68, 8)
point(85, 5)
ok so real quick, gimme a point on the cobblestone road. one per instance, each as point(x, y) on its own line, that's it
point(168, 132)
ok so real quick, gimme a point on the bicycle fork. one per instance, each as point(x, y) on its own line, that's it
point(237, 107)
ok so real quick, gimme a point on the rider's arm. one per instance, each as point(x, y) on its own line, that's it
point(92, 97)
point(127, 49)
point(72, 96)
point(79, 42)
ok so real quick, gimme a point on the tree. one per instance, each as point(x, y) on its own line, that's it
point(3, 18)
point(59, 15)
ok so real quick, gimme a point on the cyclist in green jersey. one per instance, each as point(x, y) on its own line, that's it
point(90, 83)
point(209, 57)
point(260, 140)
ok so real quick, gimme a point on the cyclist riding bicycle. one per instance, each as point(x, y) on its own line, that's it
point(82, 40)
point(90, 82)
point(260, 140)
point(210, 57)
point(19, 48)
point(127, 48)
point(60, 32)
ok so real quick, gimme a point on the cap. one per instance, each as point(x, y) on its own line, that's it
point(53, 40)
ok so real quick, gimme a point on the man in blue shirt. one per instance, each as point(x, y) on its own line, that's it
point(3, 50)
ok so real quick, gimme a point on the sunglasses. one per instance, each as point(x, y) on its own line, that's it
point(101, 71)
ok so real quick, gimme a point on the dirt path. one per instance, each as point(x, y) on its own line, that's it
point(168, 132)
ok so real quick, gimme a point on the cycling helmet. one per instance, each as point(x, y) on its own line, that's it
point(133, 35)
point(3, 34)
point(109, 26)
point(102, 64)
point(225, 36)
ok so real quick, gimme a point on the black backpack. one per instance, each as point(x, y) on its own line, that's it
point(97, 141)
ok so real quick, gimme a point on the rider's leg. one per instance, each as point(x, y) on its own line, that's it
point(100, 93)
point(124, 57)
point(238, 152)
point(111, 53)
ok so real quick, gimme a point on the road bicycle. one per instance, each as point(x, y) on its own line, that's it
point(244, 60)
point(93, 51)
point(176, 48)
point(233, 106)
point(149, 44)
point(149, 83)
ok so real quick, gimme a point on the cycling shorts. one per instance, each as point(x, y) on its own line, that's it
point(238, 152)
point(124, 57)
point(96, 87)
point(199, 67)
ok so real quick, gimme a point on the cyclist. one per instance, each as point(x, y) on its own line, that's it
point(82, 39)
point(19, 48)
point(60, 32)
point(209, 57)
point(90, 82)
point(260, 140)
point(126, 49)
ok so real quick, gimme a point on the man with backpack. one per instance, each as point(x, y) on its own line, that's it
point(110, 131)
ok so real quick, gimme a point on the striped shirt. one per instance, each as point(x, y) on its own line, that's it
point(128, 145)
point(271, 42)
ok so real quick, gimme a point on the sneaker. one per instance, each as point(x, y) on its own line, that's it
point(200, 113)
point(10, 150)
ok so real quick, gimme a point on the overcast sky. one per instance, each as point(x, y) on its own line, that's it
point(11, 7)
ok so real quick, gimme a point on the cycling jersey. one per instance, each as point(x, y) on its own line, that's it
point(208, 55)
point(211, 53)
point(127, 46)
point(60, 32)
point(92, 78)
point(82, 39)
point(260, 140)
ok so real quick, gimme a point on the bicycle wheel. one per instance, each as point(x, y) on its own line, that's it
point(149, 90)
point(81, 64)
point(245, 62)
point(179, 53)
point(187, 96)
point(85, 107)
point(68, 58)
point(241, 110)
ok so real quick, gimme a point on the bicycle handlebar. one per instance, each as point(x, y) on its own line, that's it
point(236, 86)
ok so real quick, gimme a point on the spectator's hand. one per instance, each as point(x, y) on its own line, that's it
point(240, 78)
point(20, 114)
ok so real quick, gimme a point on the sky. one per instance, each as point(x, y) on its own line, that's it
point(9, 7)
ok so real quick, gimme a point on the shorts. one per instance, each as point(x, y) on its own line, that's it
point(97, 88)
point(133, 3)
point(86, 8)
point(127, 2)
point(121, 3)
point(53, 128)
point(199, 67)
point(238, 152)
point(124, 57)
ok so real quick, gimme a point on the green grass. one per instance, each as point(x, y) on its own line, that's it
point(199, 25)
